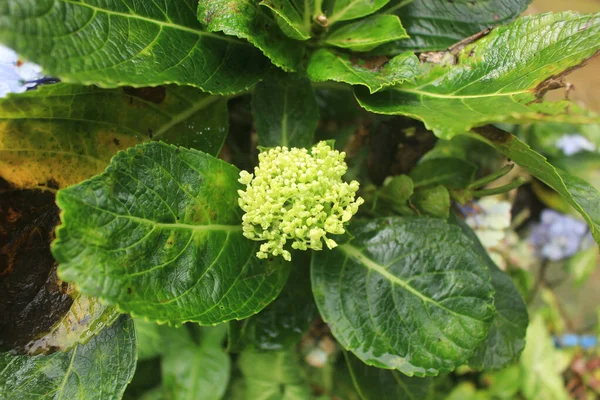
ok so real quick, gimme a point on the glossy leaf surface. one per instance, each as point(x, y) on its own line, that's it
point(114, 43)
point(159, 235)
point(343, 10)
point(245, 19)
point(435, 25)
point(375, 73)
point(367, 33)
point(97, 370)
point(498, 78)
point(294, 17)
point(506, 339)
point(64, 133)
point(285, 111)
point(405, 293)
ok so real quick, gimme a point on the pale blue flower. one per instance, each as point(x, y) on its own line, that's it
point(558, 236)
point(573, 143)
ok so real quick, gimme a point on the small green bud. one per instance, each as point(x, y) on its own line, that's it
point(299, 196)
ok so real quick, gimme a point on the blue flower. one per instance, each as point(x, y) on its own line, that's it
point(574, 143)
point(16, 75)
point(558, 236)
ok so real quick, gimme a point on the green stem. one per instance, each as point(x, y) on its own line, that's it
point(499, 190)
point(318, 9)
point(492, 177)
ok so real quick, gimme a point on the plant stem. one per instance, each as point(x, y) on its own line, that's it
point(499, 190)
point(492, 177)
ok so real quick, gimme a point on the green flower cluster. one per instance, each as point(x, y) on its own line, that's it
point(298, 195)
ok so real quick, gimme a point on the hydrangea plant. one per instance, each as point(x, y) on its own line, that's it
point(244, 199)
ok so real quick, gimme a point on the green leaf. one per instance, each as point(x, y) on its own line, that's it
point(506, 339)
point(283, 322)
point(433, 201)
point(192, 371)
point(247, 20)
point(436, 25)
point(159, 235)
point(578, 193)
point(64, 133)
point(405, 293)
point(499, 78)
point(293, 16)
point(453, 173)
point(375, 73)
point(114, 43)
point(375, 383)
point(542, 365)
point(148, 337)
point(99, 369)
point(285, 111)
point(344, 10)
point(273, 376)
point(368, 33)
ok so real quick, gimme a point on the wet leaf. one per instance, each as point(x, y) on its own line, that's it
point(245, 19)
point(437, 24)
point(405, 293)
point(367, 33)
point(158, 234)
point(375, 73)
point(62, 134)
point(499, 78)
point(97, 370)
point(128, 42)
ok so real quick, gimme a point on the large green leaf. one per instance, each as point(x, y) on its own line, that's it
point(542, 365)
point(64, 133)
point(578, 193)
point(99, 369)
point(273, 376)
point(159, 235)
point(128, 42)
point(373, 72)
point(343, 10)
point(379, 384)
point(294, 17)
point(436, 25)
point(367, 33)
point(498, 78)
point(247, 20)
point(507, 333)
point(194, 371)
point(405, 293)
point(285, 111)
point(283, 322)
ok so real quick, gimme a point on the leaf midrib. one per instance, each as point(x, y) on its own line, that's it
point(155, 21)
point(166, 225)
point(352, 251)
